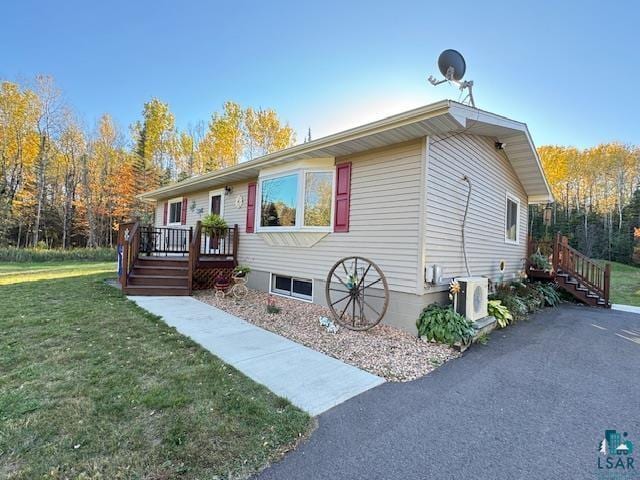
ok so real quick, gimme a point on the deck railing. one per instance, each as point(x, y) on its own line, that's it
point(587, 271)
point(129, 241)
point(164, 240)
point(220, 244)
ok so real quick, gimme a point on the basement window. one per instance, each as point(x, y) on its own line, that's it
point(300, 288)
point(512, 215)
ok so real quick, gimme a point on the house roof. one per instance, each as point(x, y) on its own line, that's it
point(440, 118)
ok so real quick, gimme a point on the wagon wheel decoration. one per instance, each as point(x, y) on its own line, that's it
point(357, 293)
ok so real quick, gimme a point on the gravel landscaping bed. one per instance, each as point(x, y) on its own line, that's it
point(385, 351)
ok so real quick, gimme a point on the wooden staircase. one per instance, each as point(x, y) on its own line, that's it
point(159, 276)
point(585, 279)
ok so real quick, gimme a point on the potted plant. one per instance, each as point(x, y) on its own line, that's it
point(539, 266)
point(222, 282)
point(241, 271)
point(214, 225)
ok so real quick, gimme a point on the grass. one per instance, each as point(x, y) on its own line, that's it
point(13, 254)
point(93, 387)
point(625, 284)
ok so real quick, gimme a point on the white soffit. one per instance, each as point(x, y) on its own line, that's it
point(436, 119)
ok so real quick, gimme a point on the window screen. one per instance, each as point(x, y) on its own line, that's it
point(511, 233)
point(302, 288)
point(175, 212)
point(292, 287)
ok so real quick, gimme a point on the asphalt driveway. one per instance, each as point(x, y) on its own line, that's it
point(533, 403)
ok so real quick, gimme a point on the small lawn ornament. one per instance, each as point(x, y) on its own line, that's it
point(357, 293)
point(329, 324)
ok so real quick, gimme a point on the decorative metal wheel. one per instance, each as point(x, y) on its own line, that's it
point(357, 293)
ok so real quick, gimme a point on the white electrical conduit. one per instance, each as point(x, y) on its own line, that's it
point(464, 222)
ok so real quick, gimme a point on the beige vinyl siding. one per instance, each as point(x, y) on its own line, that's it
point(385, 208)
point(492, 177)
point(201, 201)
point(385, 205)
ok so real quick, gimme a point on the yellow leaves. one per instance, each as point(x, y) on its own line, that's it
point(599, 178)
point(236, 133)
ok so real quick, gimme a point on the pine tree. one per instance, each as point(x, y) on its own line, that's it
point(603, 447)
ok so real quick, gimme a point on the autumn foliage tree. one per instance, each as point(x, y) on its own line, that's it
point(64, 185)
point(596, 198)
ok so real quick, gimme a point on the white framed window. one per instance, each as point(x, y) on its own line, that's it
point(512, 219)
point(296, 200)
point(294, 287)
point(174, 213)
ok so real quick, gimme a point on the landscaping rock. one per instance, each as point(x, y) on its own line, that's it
point(383, 350)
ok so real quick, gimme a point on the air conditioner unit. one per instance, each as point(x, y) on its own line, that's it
point(472, 299)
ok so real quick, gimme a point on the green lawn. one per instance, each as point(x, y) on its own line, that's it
point(625, 284)
point(92, 387)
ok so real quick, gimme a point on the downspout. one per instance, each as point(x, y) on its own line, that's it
point(464, 222)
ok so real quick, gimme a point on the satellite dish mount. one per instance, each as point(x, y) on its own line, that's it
point(452, 65)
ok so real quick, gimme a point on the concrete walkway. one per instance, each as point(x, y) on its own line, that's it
point(310, 380)
point(625, 308)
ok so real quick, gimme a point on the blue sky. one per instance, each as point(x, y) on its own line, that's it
point(568, 69)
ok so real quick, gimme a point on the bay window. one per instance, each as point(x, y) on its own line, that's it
point(298, 200)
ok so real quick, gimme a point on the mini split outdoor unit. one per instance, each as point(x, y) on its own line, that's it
point(472, 299)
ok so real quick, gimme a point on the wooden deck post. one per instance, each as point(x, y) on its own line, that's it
point(607, 280)
point(556, 253)
point(235, 243)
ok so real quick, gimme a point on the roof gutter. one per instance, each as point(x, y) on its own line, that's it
point(415, 115)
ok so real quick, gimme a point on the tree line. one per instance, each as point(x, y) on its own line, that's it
point(597, 200)
point(63, 184)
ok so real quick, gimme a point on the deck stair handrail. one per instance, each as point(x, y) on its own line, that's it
point(129, 238)
point(585, 270)
point(194, 253)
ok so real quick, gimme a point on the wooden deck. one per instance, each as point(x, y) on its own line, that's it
point(173, 261)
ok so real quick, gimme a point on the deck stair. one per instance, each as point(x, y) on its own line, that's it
point(159, 276)
point(585, 279)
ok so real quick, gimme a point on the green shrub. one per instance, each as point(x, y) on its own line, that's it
point(499, 312)
point(512, 301)
point(42, 255)
point(547, 292)
point(442, 324)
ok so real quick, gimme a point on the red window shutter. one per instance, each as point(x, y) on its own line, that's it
point(251, 207)
point(343, 197)
point(183, 212)
point(166, 211)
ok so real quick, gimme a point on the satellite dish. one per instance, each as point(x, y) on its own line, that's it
point(452, 65)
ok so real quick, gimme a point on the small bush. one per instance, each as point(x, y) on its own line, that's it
point(499, 312)
point(512, 301)
point(43, 255)
point(547, 292)
point(442, 324)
